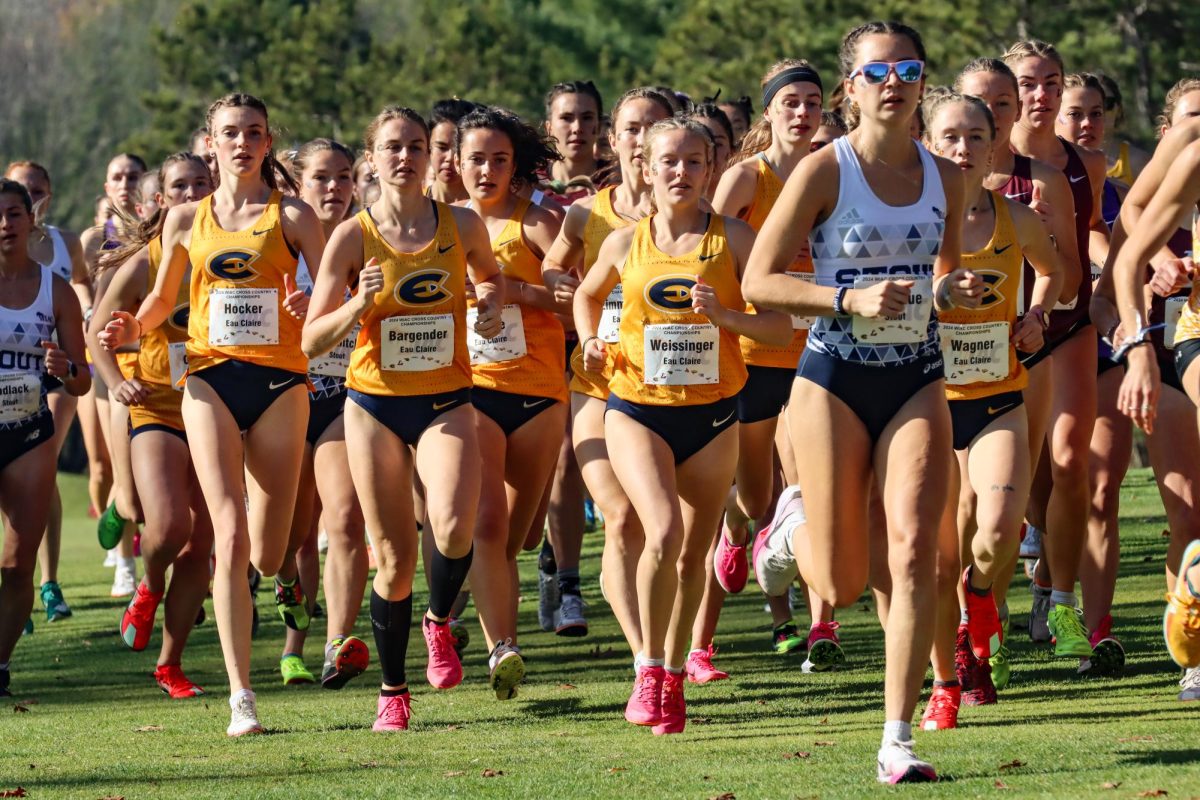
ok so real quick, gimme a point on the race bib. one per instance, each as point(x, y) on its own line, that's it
point(20, 396)
point(243, 317)
point(508, 344)
point(417, 343)
point(177, 357)
point(910, 327)
point(975, 353)
point(1174, 310)
point(681, 355)
point(803, 323)
point(335, 363)
point(610, 319)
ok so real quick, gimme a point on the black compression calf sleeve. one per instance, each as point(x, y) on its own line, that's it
point(446, 577)
point(391, 621)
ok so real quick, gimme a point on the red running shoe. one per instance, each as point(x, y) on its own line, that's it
point(983, 620)
point(392, 713)
point(645, 704)
point(137, 623)
point(174, 683)
point(942, 711)
point(974, 676)
point(700, 668)
point(673, 715)
point(444, 670)
point(729, 563)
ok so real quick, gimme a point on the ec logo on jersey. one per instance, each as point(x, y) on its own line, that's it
point(423, 288)
point(232, 265)
point(992, 281)
point(671, 293)
point(179, 317)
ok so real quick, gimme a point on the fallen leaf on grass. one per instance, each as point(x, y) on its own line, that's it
point(113, 797)
point(761, 702)
point(726, 796)
point(1110, 785)
point(17, 792)
point(797, 754)
point(493, 773)
point(20, 709)
point(701, 721)
point(614, 770)
point(824, 721)
point(1001, 785)
point(1153, 793)
point(1016, 762)
point(567, 686)
point(596, 652)
point(824, 744)
point(1137, 739)
point(148, 728)
point(454, 774)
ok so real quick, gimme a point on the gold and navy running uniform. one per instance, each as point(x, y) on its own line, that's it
point(984, 377)
point(241, 340)
point(518, 373)
point(25, 420)
point(162, 361)
point(771, 367)
point(602, 220)
point(410, 364)
point(676, 372)
point(326, 374)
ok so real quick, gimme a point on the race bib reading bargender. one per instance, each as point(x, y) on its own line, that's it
point(681, 355)
point(177, 359)
point(1174, 310)
point(20, 396)
point(335, 363)
point(609, 329)
point(975, 353)
point(243, 317)
point(803, 323)
point(910, 326)
point(508, 344)
point(416, 343)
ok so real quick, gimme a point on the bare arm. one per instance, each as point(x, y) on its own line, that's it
point(330, 319)
point(540, 228)
point(124, 292)
point(769, 327)
point(482, 270)
point(1047, 287)
point(1055, 204)
point(562, 267)
point(735, 191)
point(68, 324)
point(588, 300)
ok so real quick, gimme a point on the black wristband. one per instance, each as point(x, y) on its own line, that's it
point(839, 301)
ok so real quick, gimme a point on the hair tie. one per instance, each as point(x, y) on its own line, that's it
point(790, 75)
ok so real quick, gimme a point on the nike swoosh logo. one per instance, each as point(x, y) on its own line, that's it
point(260, 233)
point(710, 256)
point(447, 247)
point(273, 385)
point(536, 403)
point(1016, 196)
point(994, 411)
point(1000, 250)
point(718, 423)
point(1078, 178)
point(447, 404)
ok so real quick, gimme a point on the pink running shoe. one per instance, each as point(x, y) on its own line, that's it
point(942, 711)
point(444, 670)
point(673, 716)
point(729, 563)
point(824, 648)
point(983, 620)
point(393, 713)
point(645, 704)
point(700, 668)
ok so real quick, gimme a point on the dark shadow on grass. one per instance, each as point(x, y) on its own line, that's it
point(1159, 757)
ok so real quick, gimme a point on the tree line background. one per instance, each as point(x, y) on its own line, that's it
point(84, 79)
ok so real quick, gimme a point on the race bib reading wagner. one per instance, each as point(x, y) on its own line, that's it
point(20, 396)
point(243, 317)
point(975, 353)
point(610, 319)
point(335, 363)
point(681, 355)
point(504, 346)
point(910, 327)
point(416, 343)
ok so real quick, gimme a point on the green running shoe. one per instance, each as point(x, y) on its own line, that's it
point(1070, 637)
point(52, 599)
point(1001, 666)
point(110, 527)
point(786, 638)
point(28, 627)
point(292, 668)
point(289, 599)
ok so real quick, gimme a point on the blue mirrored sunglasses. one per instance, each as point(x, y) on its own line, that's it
point(875, 72)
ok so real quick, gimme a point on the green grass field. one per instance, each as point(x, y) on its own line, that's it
point(90, 723)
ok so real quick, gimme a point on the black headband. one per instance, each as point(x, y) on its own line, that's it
point(790, 75)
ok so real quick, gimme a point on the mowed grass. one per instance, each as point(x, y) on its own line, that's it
point(90, 723)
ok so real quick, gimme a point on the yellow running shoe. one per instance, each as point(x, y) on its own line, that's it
point(1181, 621)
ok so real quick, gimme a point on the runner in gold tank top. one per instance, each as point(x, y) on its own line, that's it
point(408, 259)
point(589, 222)
point(177, 535)
point(246, 369)
point(673, 406)
point(984, 379)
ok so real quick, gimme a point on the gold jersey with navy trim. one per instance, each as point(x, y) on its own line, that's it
point(413, 339)
point(162, 359)
point(237, 293)
point(670, 354)
point(980, 359)
point(1188, 326)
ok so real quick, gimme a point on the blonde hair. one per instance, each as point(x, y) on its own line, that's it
point(1032, 48)
point(758, 138)
point(939, 97)
point(679, 123)
point(1176, 93)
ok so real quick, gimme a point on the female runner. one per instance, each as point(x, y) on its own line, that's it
point(673, 405)
point(60, 250)
point(740, 112)
point(588, 224)
point(984, 379)
point(1039, 71)
point(177, 535)
point(573, 122)
point(872, 372)
point(446, 185)
point(323, 169)
point(519, 392)
point(246, 371)
point(35, 306)
point(409, 401)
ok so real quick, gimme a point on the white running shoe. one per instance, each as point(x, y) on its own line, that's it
point(569, 619)
point(1039, 614)
point(1190, 684)
point(774, 561)
point(322, 541)
point(1031, 545)
point(898, 764)
point(110, 557)
point(243, 718)
point(507, 670)
point(125, 579)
